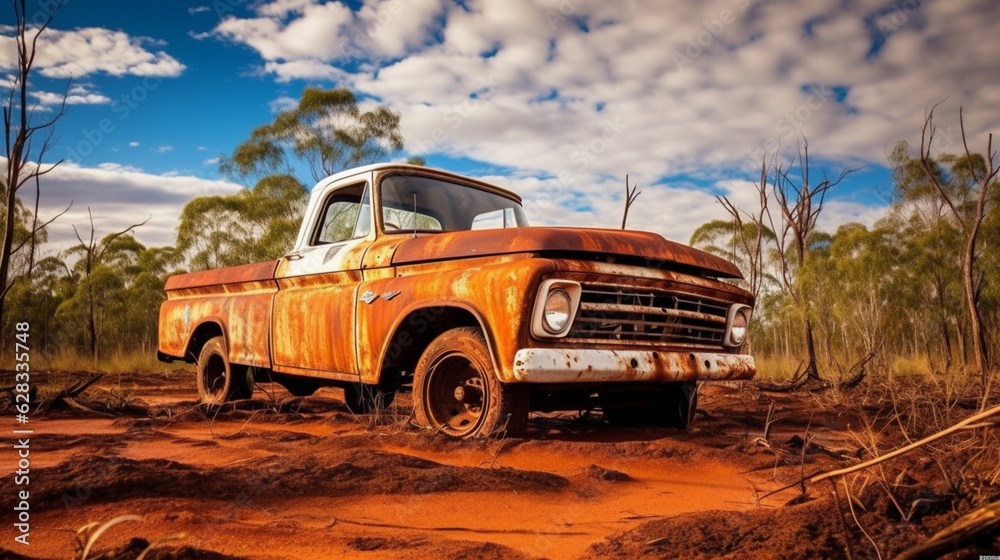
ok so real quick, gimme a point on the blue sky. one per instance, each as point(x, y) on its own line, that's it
point(556, 99)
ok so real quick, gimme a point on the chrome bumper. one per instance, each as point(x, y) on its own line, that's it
point(549, 365)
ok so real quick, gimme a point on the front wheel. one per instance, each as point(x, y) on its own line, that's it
point(456, 390)
point(218, 380)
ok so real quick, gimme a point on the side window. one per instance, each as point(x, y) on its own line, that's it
point(346, 215)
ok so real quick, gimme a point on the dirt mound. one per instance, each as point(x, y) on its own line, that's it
point(607, 475)
point(800, 532)
point(136, 546)
point(369, 472)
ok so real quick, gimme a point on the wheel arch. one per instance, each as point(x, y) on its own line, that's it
point(205, 331)
point(417, 328)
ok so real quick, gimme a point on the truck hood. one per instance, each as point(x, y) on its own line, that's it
point(645, 246)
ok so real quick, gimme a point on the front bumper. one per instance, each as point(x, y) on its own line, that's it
point(550, 365)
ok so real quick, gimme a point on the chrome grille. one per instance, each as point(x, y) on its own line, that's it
point(626, 313)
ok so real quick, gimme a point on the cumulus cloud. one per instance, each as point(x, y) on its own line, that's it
point(730, 79)
point(91, 50)
point(572, 95)
point(301, 39)
point(76, 95)
point(283, 103)
point(118, 196)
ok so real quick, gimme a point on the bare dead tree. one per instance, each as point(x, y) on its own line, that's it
point(799, 204)
point(20, 131)
point(92, 255)
point(970, 221)
point(752, 239)
point(630, 196)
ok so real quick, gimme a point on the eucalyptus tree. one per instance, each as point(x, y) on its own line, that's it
point(327, 130)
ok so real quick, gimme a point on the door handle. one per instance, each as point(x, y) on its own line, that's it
point(294, 256)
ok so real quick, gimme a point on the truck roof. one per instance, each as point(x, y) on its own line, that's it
point(390, 166)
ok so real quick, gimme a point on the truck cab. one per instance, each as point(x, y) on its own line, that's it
point(405, 278)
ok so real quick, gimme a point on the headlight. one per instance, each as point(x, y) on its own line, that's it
point(739, 322)
point(557, 309)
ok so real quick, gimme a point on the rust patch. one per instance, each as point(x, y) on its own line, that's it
point(646, 245)
point(231, 275)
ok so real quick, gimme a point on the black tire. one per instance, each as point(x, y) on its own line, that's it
point(673, 406)
point(218, 380)
point(362, 398)
point(456, 390)
point(678, 404)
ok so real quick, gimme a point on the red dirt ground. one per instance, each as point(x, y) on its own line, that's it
point(281, 477)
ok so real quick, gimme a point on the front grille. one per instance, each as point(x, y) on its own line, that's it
point(625, 313)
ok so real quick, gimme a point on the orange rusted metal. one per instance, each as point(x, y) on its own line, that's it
point(364, 309)
point(633, 244)
point(237, 300)
point(221, 276)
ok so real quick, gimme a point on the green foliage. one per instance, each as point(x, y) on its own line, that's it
point(252, 225)
point(125, 286)
point(724, 238)
point(327, 130)
point(898, 283)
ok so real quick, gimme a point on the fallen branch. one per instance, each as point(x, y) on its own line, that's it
point(70, 393)
point(954, 536)
point(821, 476)
point(931, 438)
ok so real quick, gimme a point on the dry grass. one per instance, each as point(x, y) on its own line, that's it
point(117, 362)
point(776, 368)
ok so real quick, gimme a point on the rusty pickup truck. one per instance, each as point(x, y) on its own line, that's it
point(405, 278)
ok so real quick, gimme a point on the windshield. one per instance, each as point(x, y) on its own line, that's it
point(424, 204)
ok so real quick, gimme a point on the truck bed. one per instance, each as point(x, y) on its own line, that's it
point(237, 298)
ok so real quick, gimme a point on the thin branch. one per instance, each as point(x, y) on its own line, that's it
point(903, 450)
point(630, 196)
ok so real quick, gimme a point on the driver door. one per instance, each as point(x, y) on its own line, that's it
point(314, 310)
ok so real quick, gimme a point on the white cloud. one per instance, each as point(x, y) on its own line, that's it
point(119, 196)
point(198, 9)
point(584, 91)
point(88, 98)
point(133, 144)
point(163, 149)
point(91, 50)
point(316, 35)
point(282, 104)
point(211, 161)
point(304, 70)
point(300, 39)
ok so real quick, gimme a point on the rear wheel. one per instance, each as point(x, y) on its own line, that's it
point(456, 390)
point(218, 380)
